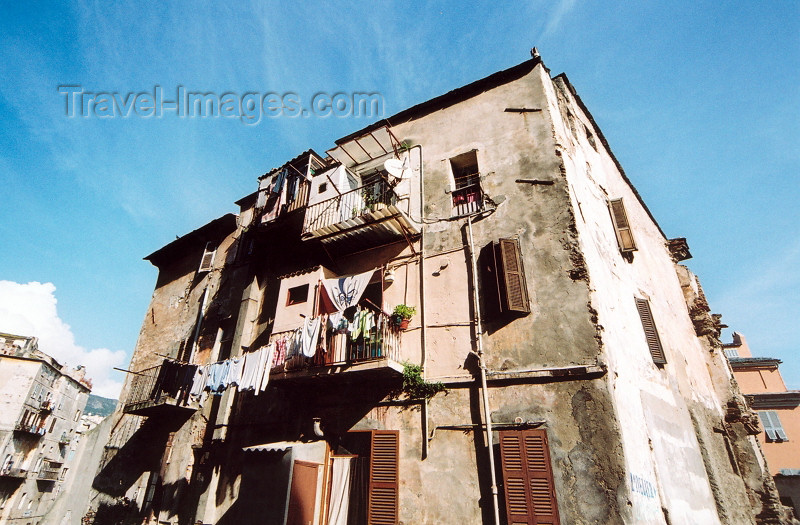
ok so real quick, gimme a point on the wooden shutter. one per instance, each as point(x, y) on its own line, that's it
point(528, 478)
point(207, 262)
point(650, 332)
point(621, 226)
point(511, 277)
point(383, 478)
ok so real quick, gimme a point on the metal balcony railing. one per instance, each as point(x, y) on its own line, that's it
point(380, 341)
point(349, 205)
point(468, 200)
point(143, 388)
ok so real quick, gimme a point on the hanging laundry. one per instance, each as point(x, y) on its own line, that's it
point(309, 336)
point(280, 352)
point(235, 372)
point(199, 380)
point(347, 290)
point(268, 354)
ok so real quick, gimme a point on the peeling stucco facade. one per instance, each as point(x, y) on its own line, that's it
point(628, 440)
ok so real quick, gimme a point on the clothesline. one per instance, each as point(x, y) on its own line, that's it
point(289, 350)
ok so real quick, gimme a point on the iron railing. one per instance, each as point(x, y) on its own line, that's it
point(349, 205)
point(380, 341)
point(468, 200)
point(143, 388)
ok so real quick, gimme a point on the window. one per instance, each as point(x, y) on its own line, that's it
point(77, 415)
point(621, 226)
point(505, 286)
point(207, 261)
point(323, 187)
point(650, 332)
point(590, 137)
point(530, 494)
point(772, 425)
point(731, 352)
point(297, 295)
point(467, 193)
point(52, 425)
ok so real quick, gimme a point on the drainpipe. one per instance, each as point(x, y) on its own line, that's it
point(424, 330)
point(484, 387)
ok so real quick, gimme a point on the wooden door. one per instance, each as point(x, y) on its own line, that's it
point(303, 493)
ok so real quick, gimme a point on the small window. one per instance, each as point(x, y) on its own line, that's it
point(731, 352)
point(650, 332)
point(622, 227)
point(297, 295)
point(77, 415)
point(52, 425)
point(207, 262)
point(323, 187)
point(467, 193)
point(772, 425)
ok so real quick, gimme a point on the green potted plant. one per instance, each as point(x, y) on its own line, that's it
point(402, 315)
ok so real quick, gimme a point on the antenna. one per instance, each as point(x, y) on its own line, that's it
point(397, 168)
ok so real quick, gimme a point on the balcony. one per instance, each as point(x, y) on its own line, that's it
point(358, 219)
point(376, 353)
point(13, 473)
point(27, 428)
point(46, 405)
point(49, 474)
point(151, 393)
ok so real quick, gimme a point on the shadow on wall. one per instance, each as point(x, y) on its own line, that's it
point(141, 453)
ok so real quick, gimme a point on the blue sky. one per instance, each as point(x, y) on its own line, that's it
point(699, 101)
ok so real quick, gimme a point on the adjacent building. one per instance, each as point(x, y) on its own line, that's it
point(41, 403)
point(275, 381)
point(779, 411)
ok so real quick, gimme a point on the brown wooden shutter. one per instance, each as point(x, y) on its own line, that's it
point(528, 478)
point(650, 332)
point(514, 288)
point(383, 478)
point(621, 225)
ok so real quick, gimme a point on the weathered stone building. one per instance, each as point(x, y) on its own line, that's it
point(584, 374)
point(40, 407)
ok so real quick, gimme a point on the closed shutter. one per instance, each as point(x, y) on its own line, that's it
point(772, 425)
point(514, 289)
point(207, 262)
point(383, 478)
point(650, 332)
point(621, 226)
point(528, 478)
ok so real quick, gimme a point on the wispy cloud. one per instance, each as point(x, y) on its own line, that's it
point(557, 14)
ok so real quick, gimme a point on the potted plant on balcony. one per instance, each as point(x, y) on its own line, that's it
point(402, 315)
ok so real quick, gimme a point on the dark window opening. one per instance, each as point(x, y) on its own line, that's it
point(323, 187)
point(297, 295)
point(467, 194)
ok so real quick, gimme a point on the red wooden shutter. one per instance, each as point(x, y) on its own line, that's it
point(650, 332)
point(621, 226)
point(528, 478)
point(514, 289)
point(383, 478)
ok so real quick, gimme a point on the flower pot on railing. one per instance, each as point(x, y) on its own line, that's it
point(402, 316)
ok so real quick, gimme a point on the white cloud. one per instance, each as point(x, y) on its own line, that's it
point(30, 309)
